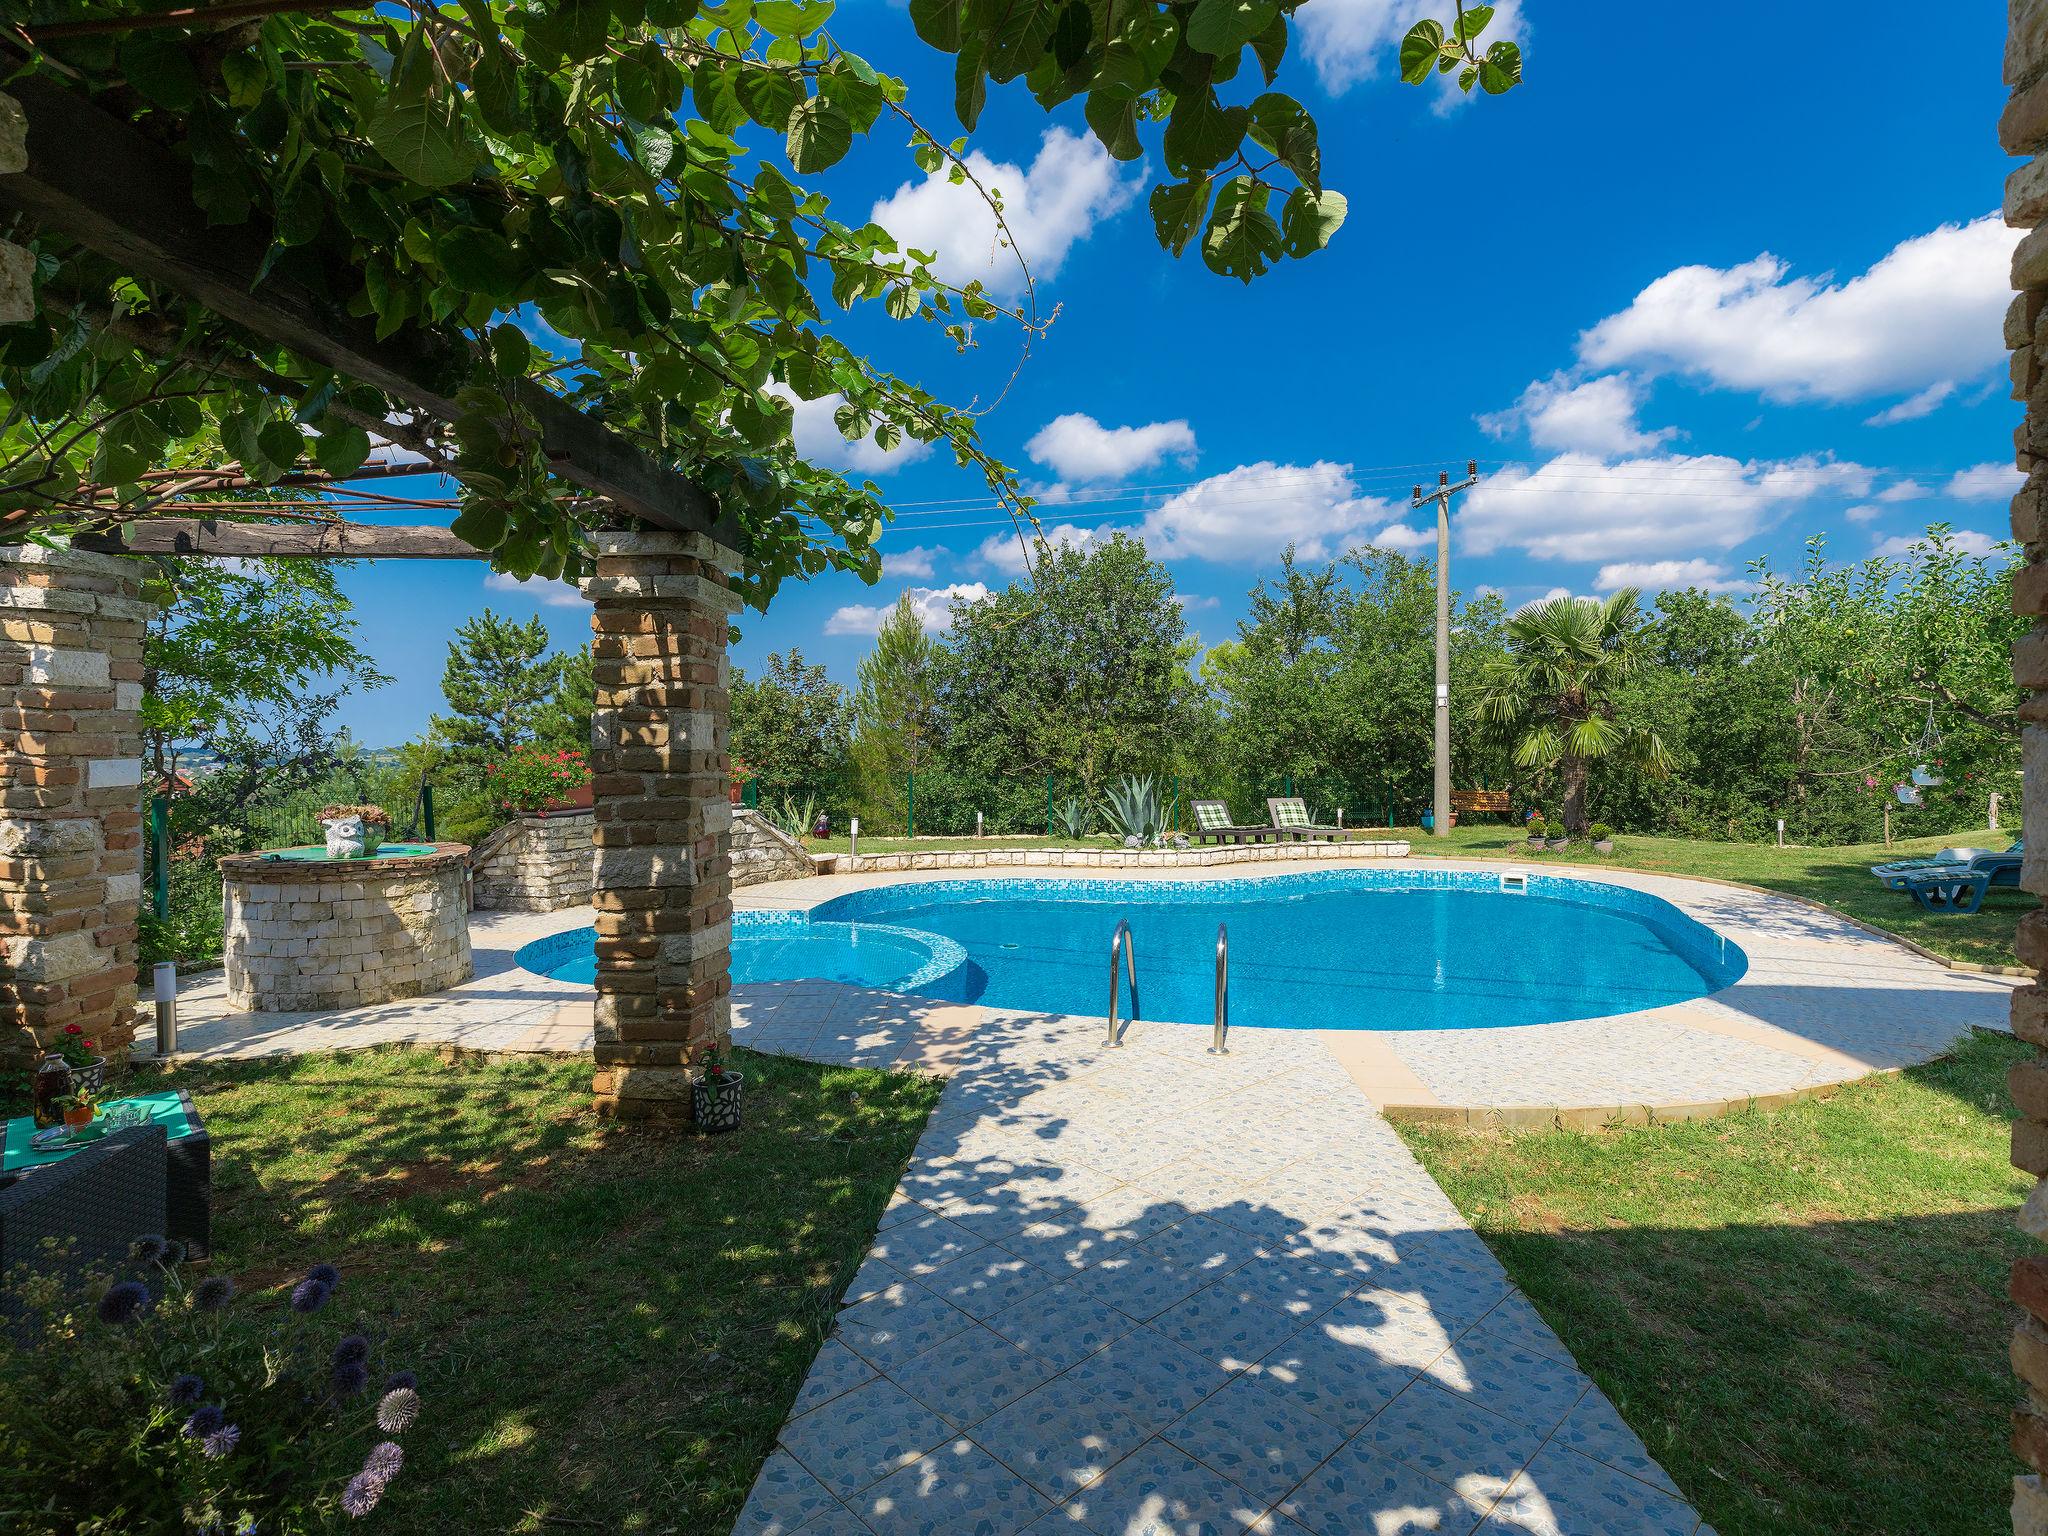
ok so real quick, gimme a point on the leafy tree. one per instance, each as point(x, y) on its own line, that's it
point(1331, 680)
point(1552, 695)
point(233, 655)
point(638, 172)
point(791, 727)
point(895, 707)
point(563, 721)
point(1085, 674)
point(499, 681)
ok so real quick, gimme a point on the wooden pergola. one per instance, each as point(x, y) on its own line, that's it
point(661, 597)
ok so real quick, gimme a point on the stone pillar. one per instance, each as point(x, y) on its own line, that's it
point(659, 773)
point(2023, 130)
point(71, 627)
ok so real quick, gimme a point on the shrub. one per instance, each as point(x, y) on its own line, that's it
point(1073, 818)
point(144, 1402)
point(1538, 827)
point(1600, 832)
point(533, 778)
point(1133, 810)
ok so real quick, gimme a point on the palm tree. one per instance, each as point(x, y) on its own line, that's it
point(1550, 697)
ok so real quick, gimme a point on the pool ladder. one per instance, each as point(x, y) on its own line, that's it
point(1122, 945)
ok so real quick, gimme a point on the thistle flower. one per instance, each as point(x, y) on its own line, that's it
point(124, 1302)
point(148, 1249)
point(361, 1494)
point(384, 1460)
point(173, 1254)
point(349, 1377)
point(186, 1390)
point(326, 1274)
point(213, 1293)
point(353, 1347)
point(397, 1410)
point(310, 1295)
point(206, 1419)
point(399, 1379)
point(220, 1442)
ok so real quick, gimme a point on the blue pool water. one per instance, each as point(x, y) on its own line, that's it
point(1343, 949)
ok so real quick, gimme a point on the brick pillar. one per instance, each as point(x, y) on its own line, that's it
point(659, 770)
point(2023, 130)
point(71, 628)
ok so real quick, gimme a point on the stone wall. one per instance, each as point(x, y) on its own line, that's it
point(762, 851)
point(344, 934)
point(2023, 130)
point(535, 864)
point(1118, 858)
point(71, 628)
point(660, 776)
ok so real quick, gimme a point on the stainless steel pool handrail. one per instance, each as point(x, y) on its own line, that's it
point(1122, 939)
point(1216, 1045)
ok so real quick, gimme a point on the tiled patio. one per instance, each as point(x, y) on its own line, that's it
point(1148, 1290)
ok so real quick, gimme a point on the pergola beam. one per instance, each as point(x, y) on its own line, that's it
point(96, 179)
point(312, 540)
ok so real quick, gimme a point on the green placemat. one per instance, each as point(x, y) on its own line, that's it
point(166, 1109)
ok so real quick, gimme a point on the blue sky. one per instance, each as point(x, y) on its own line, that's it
point(1688, 297)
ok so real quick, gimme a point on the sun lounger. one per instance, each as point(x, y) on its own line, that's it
point(2000, 868)
point(1213, 825)
point(1291, 822)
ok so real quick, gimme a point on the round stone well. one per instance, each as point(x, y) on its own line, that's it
point(307, 932)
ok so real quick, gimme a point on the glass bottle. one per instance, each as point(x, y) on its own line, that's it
point(52, 1083)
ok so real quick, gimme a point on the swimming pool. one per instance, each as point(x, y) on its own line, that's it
point(1339, 949)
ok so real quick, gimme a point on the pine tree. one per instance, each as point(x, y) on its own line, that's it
point(498, 680)
point(895, 708)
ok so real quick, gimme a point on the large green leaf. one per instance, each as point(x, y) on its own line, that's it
point(481, 261)
point(1022, 29)
point(1202, 132)
point(161, 70)
point(1308, 220)
point(1242, 240)
point(1472, 23)
point(1222, 27)
point(1177, 209)
point(427, 142)
point(769, 96)
point(341, 448)
point(576, 29)
point(937, 22)
point(1114, 118)
point(819, 135)
point(1420, 50)
point(1501, 69)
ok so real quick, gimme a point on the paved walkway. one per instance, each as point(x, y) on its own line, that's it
point(1151, 1292)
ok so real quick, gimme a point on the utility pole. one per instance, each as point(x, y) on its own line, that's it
point(1441, 820)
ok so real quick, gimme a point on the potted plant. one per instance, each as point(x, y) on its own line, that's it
point(81, 1055)
point(1603, 837)
point(1538, 830)
point(535, 781)
point(78, 1109)
point(354, 831)
point(1559, 839)
point(715, 1095)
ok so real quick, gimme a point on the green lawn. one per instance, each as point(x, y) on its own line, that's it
point(609, 1321)
point(1802, 1312)
point(1836, 877)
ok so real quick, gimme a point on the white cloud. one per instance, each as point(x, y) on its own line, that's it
point(1865, 513)
point(1669, 575)
point(1072, 186)
point(1984, 482)
point(1254, 511)
point(1404, 538)
point(1189, 601)
point(1078, 447)
point(1349, 41)
point(1904, 490)
point(1968, 540)
point(916, 560)
point(1005, 552)
point(1928, 313)
point(1595, 416)
point(1913, 407)
point(553, 594)
point(1576, 507)
point(934, 607)
point(817, 437)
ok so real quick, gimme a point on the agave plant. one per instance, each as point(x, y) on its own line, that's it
point(1133, 810)
point(791, 818)
point(1074, 818)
